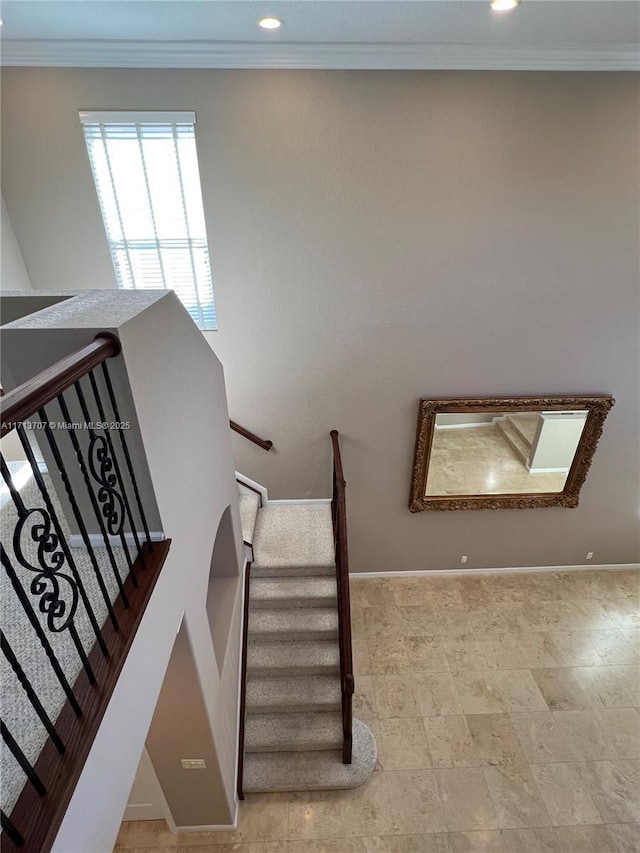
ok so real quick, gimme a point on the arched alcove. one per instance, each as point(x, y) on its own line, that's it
point(224, 577)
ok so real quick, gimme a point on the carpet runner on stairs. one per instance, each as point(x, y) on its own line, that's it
point(293, 726)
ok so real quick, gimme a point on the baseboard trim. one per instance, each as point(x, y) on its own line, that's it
point(96, 540)
point(606, 567)
point(302, 501)
point(212, 827)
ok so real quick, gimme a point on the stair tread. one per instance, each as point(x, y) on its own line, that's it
point(275, 732)
point(311, 770)
point(306, 591)
point(513, 439)
point(294, 536)
point(249, 508)
point(526, 426)
point(279, 657)
point(293, 693)
point(302, 623)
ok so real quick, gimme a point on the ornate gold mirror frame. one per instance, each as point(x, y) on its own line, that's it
point(597, 408)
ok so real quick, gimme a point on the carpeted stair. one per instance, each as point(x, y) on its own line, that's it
point(293, 724)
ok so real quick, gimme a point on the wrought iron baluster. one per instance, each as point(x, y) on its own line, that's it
point(94, 503)
point(116, 465)
point(31, 693)
point(37, 627)
point(102, 467)
point(60, 612)
point(61, 537)
point(10, 828)
point(53, 445)
point(22, 760)
point(125, 450)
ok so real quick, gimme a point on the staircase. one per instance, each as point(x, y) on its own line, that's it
point(519, 431)
point(293, 735)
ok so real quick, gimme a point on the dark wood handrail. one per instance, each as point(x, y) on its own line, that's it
point(339, 515)
point(265, 445)
point(24, 401)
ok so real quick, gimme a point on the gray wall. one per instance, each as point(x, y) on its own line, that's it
point(13, 273)
point(378, 237)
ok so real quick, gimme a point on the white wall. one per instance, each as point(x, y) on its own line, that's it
point(13, 273)
point(378, 237)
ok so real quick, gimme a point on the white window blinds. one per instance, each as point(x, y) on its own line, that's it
point(145, 169)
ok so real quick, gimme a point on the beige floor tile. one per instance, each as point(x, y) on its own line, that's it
point(419, 621)
point(519, 690)
point(625, 837)
point(560, 690)
point(403, 744)
point(566, 791)
point(469, 652)
point(262, 817)
point(616, 648)
point(483, 841)
point(524, 650)
point(147, 834)
point(583, 839)
point(426, 654)
point(516, 797)
point(367, 810)
point(297, 846)
point(387, 657)
point(625, 613)
point(436, 694)
point(314, 815)
point(436, 842)
point(370, 844)
point(450, 742)
point(394, 696)
point(443, 600)
point(495, 742)
point(358, 629)
point(599, 735)
point(610, 686)
point(574, 648)
point(361, 662)
point(364, 699)
point(416, 804)
point(372, 592)
point(596, 615)
point(383, 622)
point(615, 787)
point(542, 839)
point(542, 740)
point(466, 800)
point(412, 590)
point(479, 692)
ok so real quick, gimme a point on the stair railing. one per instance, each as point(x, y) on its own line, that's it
point(91, 600)
point(339, 517)
point(246, 433)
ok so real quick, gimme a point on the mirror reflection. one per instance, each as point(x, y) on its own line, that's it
point(494, 453)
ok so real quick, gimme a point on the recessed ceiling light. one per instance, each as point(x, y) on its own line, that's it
point(503, 5)
point(270, 23)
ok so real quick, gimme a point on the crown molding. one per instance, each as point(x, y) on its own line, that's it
point(124, 54)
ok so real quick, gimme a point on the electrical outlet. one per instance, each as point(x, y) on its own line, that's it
point(589, 555)
point(464, 558)
point(193, 764)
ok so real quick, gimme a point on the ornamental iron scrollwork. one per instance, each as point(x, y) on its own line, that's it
point(103, 471)
point(59, 606)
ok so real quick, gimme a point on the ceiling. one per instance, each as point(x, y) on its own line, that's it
point(555, 34)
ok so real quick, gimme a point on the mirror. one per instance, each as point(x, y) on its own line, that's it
point(515, 453)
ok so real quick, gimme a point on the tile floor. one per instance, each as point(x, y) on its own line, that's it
point(506, 713)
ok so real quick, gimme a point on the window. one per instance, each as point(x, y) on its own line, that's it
point(145, 168)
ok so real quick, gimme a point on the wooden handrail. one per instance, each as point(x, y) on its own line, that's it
point(24, 401)
point(261, 442)
point(339, 515)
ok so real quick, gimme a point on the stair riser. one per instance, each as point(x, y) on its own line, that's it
point(310, 669)
point(294, 747)
point(290, 636)
point(513, 444)
point(290, 603)
point(290, 571)
point(292, 708)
